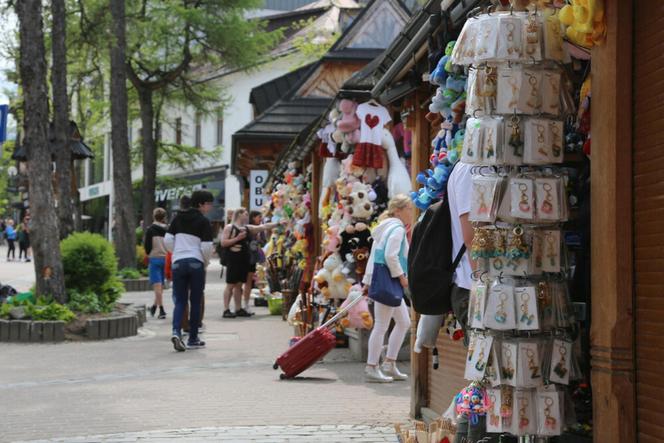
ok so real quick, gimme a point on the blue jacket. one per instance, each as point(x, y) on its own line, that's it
point(11, 233)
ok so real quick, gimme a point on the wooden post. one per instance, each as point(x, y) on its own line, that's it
point(419, 363)
point(612, 331)
point(315, 201)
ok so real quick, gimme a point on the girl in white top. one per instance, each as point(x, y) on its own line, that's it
point(389, 235)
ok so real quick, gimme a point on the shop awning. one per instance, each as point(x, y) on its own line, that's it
point(277, 126)
point(411, 45)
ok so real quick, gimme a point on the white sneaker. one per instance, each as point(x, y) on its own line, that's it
point(373, 374)
point(390, 369)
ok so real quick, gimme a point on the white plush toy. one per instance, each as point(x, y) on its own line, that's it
point(398, 180)
point(330, 279)
point(359, 200)
point(331, 171)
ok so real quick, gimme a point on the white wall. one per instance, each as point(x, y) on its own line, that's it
point(237, 114)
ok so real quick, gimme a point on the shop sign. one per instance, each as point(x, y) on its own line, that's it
point(257, 179)
point(175, 193)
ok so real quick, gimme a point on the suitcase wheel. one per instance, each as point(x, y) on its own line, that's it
point(275, 366)
point(282, 377)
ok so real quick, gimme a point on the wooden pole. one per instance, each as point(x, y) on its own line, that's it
point(612, 330)
point(419, 363)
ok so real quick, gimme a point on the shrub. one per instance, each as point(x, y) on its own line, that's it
point(85, 303)
point(89, 262)
point(129, 274)
point(45, 309)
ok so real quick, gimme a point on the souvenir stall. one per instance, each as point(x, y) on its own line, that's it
point(512, 99)
point(288, 250)
point(361, 170)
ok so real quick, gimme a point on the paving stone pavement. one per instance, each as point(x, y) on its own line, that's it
point(131, 389)
point(241, 434)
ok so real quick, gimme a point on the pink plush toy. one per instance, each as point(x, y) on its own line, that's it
point(349, 121)
point(358, 316)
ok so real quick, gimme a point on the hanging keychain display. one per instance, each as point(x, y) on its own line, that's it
point(478, 357)
point(549, 414)
point(508, 362)
point(560, 362)
point(530, 370)
point(500, 314)
point(528, 315)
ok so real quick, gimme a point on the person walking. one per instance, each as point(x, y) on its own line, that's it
point(389, 240)
point(190, 239)
point(236, 238)
point(10, 234)
point(156, 250)
point(23, 237)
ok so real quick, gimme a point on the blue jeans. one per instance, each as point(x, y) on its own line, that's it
point(188, 286)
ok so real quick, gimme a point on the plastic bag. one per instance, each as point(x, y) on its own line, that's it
point(293, 315)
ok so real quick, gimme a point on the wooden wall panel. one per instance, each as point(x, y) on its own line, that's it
point(446, 381)
point(648, 186)
point(612, 329)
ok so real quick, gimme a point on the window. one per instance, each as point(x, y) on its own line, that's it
point(178, 131)
point(197, 141)
point(220, 128)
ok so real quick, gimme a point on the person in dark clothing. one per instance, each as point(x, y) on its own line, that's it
point(156, 250)
point(236, 237)
point(190, 239)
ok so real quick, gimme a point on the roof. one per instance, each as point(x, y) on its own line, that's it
point(350, 54)
point(410, 44)
point(267, 94)
point(79, 150)
point(287, 117)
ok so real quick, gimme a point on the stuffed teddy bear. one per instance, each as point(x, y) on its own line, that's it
point(349, 121)
point(353, 237)
point(331, 282)
point(359, 204)
point(380, 189)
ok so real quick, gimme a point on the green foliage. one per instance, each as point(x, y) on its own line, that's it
point(86, 303)
point(45, 309)
point(5, 163)
point(89, 262)
point(129, 274)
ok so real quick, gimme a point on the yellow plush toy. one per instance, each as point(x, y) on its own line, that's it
point(585, 22)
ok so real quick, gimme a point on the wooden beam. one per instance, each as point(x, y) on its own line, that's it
point(419, 363)
point(612, 330)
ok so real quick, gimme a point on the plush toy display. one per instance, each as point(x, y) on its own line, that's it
point(585, 22)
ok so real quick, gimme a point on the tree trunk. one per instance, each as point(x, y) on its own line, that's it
point(123, 204)
point(149, 154)
point(32, 66)
point(62, 132)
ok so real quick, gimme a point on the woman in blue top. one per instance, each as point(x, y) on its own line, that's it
point(390, 236)
point(10, 233)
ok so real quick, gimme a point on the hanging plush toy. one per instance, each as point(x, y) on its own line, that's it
point(472, 402)
point(398, 180)
point(358, 316)
point(585, 22)
point(440, 73)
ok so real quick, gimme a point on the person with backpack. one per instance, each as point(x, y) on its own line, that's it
point(189, 238)
point(23, 237)
point(237, 257)
point(385, 281)
point(10, 234)
point(156, 250)
point(256, 243)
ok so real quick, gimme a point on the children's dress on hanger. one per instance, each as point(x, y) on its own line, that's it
point(369, 152)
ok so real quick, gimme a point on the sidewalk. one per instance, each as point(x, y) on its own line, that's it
point(20, 275)
point(139, 389)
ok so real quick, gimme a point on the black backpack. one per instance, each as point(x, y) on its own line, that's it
point(430, 266)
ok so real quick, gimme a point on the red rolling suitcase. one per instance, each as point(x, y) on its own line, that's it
point(311, 348)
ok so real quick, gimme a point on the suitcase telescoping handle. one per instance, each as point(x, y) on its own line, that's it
point(341, 314)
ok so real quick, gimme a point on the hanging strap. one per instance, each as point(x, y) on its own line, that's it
point(458, 258)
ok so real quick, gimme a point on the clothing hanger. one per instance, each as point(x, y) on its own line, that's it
point(373, 102)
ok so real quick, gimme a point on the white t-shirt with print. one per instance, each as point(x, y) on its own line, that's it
point(459, 192)
point(373, 119)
